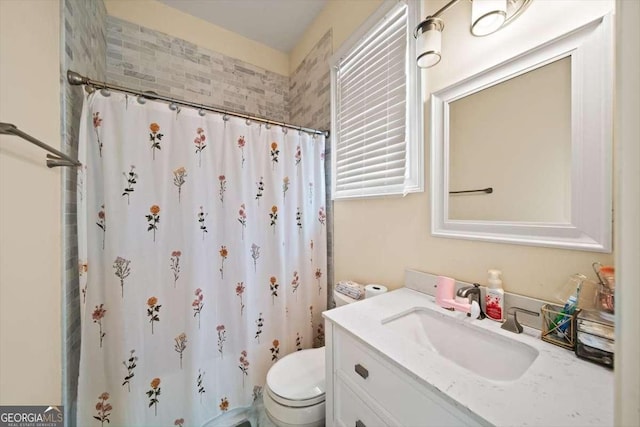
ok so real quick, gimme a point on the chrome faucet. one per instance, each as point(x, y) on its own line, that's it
point(512, 324)
point(473, 293)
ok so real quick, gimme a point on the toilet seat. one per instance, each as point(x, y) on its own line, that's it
point(298, 379)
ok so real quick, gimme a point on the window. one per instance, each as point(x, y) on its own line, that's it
point(376, 108)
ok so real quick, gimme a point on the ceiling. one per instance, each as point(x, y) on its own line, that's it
point(275, 23)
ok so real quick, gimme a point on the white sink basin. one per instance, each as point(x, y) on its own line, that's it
point(482, 352)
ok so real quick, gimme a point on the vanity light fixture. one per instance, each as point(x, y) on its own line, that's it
point(430, 42)
point(487, 17)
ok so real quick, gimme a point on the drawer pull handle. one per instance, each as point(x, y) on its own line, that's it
point(360, 424)
point(362, 371)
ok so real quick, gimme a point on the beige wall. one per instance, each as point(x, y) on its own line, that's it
point(343, 17)
point(376, 240)
point(627, 131)
point(30, 241)
point(160, 17)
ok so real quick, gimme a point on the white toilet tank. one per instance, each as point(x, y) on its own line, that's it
point(342, 299)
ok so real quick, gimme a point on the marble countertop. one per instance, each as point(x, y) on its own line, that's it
point(558, 389)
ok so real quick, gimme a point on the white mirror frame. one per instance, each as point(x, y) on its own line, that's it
point(590, 49)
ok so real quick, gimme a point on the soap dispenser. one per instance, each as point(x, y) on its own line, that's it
point(494, 298)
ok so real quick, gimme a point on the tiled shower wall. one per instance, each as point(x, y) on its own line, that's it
point(310, 87)
point(83, 49)
point(145, 59)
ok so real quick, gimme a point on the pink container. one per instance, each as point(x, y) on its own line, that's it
point(445, 291)
point(445, 295)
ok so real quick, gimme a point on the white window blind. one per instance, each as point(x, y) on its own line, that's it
point(370, 112)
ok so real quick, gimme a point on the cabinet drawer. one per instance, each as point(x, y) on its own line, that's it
point(351, 411)
point(398, 394)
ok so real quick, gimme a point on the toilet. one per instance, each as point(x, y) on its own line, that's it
point(294, 392)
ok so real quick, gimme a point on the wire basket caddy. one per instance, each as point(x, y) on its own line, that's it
point(557, 327)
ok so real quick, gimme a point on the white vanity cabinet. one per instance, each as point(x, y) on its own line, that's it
point(384, 375)
point(364, 389)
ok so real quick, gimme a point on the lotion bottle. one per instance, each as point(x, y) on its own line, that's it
point(494, 298)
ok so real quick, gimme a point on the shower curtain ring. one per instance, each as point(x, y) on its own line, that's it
point(104, 91)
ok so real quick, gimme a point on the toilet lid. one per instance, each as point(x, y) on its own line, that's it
point(298, 376)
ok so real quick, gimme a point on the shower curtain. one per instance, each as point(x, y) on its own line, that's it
point(203, 259)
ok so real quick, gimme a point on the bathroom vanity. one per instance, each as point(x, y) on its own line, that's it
point(398, 359)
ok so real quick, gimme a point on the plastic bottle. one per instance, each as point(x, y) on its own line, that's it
point(608, 276)
point(494, 298)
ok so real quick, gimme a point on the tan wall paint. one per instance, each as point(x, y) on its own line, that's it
point(377, 239)
point(160, 17)
point(343, 17)
point(30, 230)
point(627, 130)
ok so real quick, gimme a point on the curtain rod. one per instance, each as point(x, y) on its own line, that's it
point(77, 79)
point(58, 159)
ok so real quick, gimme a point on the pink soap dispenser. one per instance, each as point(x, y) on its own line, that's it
point(494, 298)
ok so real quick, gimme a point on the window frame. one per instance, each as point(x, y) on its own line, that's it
point(414, 131)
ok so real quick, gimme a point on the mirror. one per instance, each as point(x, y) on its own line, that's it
point(521, 153)
point(480, 157)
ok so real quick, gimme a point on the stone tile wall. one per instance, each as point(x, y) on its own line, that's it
point(310, 106)
point(145, 59)
point(310, 87)
point(83, 49)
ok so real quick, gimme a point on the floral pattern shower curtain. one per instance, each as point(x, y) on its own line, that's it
point(203, 251)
